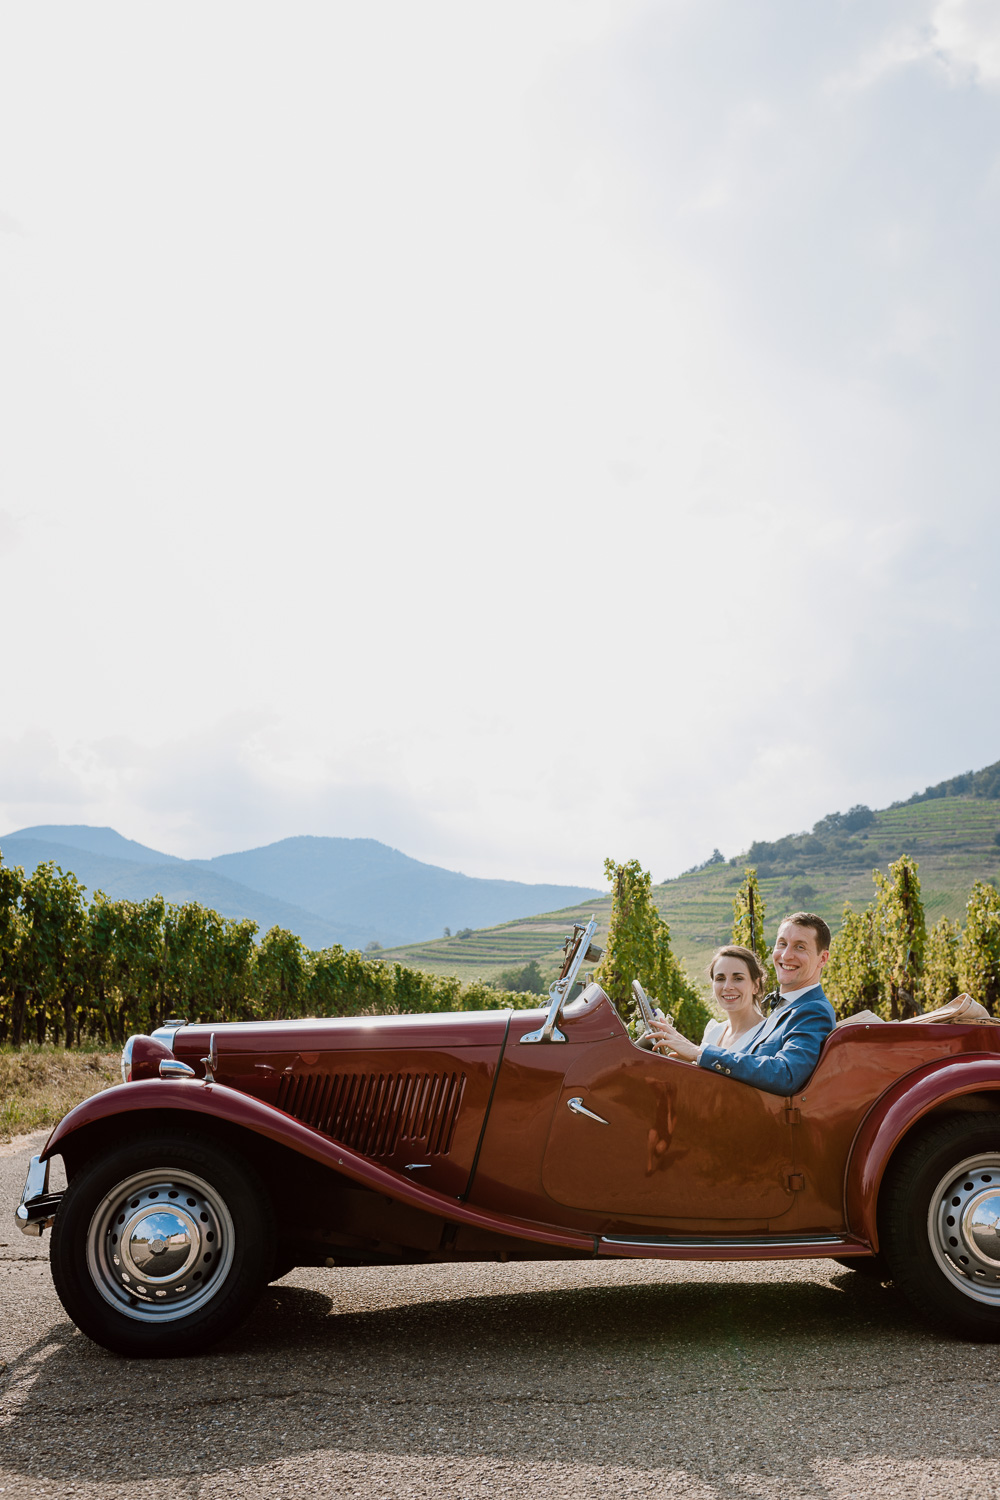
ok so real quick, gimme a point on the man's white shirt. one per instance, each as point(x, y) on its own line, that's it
point(794, 994)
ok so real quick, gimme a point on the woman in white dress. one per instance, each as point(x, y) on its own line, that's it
point(738, 978)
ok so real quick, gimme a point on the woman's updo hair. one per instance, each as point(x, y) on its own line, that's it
point(755, 968)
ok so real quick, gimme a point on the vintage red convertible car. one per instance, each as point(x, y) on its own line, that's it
point(233, 1153)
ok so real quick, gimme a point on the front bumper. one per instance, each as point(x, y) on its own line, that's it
point(37, 1208)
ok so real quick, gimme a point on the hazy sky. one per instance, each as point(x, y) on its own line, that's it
point(519, 433)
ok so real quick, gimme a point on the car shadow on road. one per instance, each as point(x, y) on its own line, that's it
point(712, 1378)
point(635, 1317)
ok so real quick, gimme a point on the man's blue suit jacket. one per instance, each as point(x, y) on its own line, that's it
point(784, 1052)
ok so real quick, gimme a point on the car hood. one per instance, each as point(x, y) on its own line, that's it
point(483, 1028)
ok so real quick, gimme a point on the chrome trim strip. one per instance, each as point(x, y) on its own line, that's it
point(165, 1034)
point(653, 1241)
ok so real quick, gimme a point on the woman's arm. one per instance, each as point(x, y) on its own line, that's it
point(668, 1039)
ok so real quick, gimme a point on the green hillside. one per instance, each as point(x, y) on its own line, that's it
point(954, 839)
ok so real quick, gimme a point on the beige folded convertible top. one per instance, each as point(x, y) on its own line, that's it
point(962, 1008)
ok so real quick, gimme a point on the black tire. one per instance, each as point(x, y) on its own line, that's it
point(283, 1263)
point(162, 1245)
point(871, 1267)
point(937, 1214)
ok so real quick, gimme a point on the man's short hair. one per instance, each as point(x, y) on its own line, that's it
point(809, 919)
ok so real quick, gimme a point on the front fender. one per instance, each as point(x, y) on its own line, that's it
point(894, 1115)
point(196, 1097)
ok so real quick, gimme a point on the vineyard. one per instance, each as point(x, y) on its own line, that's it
point(884, 959)
point(73, 971)
point(954, 838)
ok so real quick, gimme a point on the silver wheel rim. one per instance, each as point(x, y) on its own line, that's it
point(963, 1225)
point(160, 1245)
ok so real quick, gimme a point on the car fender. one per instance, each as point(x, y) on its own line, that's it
point(127, 1102)
point(894, 1115)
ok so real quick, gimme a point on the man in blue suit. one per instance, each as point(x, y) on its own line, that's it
point(781, 1055)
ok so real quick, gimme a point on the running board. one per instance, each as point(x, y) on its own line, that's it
point(733, 1247)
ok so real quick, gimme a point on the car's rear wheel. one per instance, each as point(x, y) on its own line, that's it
point(162, 1245)
point(939, 1224)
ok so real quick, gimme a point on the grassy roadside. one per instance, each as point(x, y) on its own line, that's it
point(38, 1085)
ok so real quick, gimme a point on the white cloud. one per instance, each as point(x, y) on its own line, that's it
point(967, 33)
point(962, 36)
point(519, 436)
point(39, 773)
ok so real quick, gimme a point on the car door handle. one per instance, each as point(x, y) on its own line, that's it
point(578, 1108)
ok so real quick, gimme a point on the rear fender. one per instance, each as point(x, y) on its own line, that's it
point(891, 1119)
point(126, 1104)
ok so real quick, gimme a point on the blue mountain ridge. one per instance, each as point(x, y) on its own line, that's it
point(123, 879)
point(96, 841)
point(328, 890)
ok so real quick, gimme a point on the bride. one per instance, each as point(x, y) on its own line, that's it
point(738, 978)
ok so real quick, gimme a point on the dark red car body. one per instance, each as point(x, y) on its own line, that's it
point(400, 1139)
point(465, 1140)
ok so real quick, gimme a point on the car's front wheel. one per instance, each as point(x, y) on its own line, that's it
point(162, 1245)
point(940, 1224)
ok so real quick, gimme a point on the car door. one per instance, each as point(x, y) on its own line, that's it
point(680, 1142)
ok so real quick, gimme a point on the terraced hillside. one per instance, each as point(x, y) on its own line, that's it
point(953, 838)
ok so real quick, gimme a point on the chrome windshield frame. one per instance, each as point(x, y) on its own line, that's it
point(558, 993)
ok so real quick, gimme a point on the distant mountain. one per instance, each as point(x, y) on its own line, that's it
point(328, 890)
point(96, 841)
point(361, 881)
point(176, 880)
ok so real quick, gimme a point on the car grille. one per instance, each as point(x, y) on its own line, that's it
point(376, 1113)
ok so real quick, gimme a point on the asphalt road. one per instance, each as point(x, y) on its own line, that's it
point(566, 1379)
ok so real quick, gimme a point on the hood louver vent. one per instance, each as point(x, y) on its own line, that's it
point(375, 1113)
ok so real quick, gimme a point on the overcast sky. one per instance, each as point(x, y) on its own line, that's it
point(518, 433)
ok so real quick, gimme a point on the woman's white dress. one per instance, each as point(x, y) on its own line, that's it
point(715, 1029)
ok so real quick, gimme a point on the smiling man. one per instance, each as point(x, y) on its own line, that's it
point(780, 1056)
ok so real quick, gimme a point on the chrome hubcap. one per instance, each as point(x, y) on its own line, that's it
point(160, 1245)
point(963, 1224)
